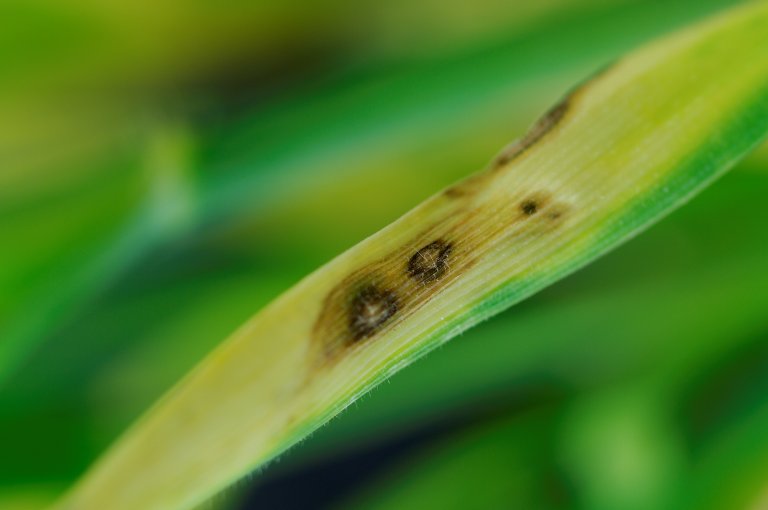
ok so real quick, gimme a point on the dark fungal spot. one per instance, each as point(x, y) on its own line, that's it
point(529, 207)
point(370, 308)
point(430, 263)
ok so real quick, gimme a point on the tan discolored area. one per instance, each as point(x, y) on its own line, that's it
point(376, 298)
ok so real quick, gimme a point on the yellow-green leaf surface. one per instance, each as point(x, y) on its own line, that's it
point(615, 155)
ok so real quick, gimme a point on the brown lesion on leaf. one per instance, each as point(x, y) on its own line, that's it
point(539, 130)
point(455, 191)
point(546, 124)
point(376, 298)
point(371, 307)
point(557, 212)
point(533, 203)
point(542, 205)
point(380, 295)
point(467, 187)
point(542, 128)
point(529, 206)
point(430, 263)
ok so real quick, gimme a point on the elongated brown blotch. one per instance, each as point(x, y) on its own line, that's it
point(513, 151)
point(376, 298)
point(545, 125)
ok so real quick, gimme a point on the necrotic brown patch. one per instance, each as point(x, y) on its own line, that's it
point(373, 299)
point(370, 308)
point(430, 263)
point(540, 129)
point(547, 123)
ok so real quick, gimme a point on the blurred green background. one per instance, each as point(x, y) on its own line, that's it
point(167, 168)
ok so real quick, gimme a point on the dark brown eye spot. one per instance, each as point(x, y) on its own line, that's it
point(370, 308)
point(529, 207)
point(430, 263)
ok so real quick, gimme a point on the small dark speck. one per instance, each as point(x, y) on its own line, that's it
point(430, 263)
point(529, 207)
point(371, 307)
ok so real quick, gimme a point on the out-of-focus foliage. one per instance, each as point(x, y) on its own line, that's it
point(170, 167)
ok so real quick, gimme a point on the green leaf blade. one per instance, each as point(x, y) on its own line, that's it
point(611, 159)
